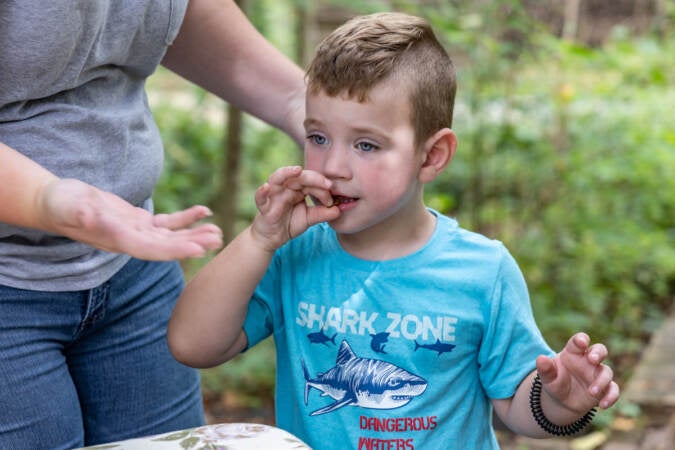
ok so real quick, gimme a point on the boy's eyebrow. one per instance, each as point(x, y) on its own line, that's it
point(371, 130)
point(309, 121)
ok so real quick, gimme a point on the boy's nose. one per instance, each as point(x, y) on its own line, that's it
point(335, 164)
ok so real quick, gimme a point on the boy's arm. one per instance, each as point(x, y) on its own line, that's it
point(31, 196)
point(206, 325)
point(573, 382)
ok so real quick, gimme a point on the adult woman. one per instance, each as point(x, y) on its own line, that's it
point(83, 311)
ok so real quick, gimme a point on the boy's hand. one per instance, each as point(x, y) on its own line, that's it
point(283, 209)
point(576, 378)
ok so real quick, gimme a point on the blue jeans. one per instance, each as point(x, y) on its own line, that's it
point(88, 367)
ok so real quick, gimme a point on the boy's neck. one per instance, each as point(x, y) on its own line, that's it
point(385, 242)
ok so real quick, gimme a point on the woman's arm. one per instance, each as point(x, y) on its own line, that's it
point(220, 50)
point(31, 196)
point(22, 187)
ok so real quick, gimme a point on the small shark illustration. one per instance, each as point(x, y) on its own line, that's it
point(437, 347)
point(378, 341)
point(320, 337)
point(367, 383)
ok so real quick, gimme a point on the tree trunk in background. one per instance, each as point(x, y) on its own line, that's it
point(659, 18)
point(226, 197)
point(300, 30)
point(571, 20)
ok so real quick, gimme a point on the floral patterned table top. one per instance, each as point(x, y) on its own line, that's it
point(229, 436)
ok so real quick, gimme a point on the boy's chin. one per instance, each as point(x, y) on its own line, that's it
point(340, 226)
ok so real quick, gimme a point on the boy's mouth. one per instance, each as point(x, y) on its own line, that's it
point(341, 200)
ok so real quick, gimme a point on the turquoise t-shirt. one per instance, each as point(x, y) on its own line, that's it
point(396, 354)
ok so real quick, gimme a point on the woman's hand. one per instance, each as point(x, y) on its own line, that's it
point(103, 220)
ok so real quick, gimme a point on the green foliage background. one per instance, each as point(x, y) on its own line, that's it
point(566, 154)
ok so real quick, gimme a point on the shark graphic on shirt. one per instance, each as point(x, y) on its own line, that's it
point(363, 382)
point(439, 347)
point(378, 341)
point(320, 337)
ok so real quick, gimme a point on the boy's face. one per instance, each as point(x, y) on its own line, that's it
point(368, 151)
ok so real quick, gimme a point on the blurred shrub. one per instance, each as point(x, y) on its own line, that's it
point(193, 140)
point(577, 176)
point(251, 375)
point(193, 153)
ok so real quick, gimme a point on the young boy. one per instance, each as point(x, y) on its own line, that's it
point(394, 327)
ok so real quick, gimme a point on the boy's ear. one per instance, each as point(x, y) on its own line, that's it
point(438, 151)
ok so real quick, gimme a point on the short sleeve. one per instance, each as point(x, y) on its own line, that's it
point(512, 340)
point(264, 308)
point(176, 16)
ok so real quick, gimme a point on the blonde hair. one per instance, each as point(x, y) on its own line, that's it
point(370, 49)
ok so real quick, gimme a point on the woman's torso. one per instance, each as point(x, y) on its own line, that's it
point(72, 98)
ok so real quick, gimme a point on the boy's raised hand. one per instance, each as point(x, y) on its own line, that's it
point(576, 377)
point(283, 209)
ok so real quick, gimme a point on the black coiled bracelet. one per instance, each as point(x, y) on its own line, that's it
point(547, 425)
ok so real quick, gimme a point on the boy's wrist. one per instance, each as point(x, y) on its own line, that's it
point(259, 241)
point(553, 416)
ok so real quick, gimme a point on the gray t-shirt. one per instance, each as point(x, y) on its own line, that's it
point(72, 98)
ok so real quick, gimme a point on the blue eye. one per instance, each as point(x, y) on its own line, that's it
point(367, 146)
point(317, 139)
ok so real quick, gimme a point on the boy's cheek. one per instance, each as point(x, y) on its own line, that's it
point(312, 163)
